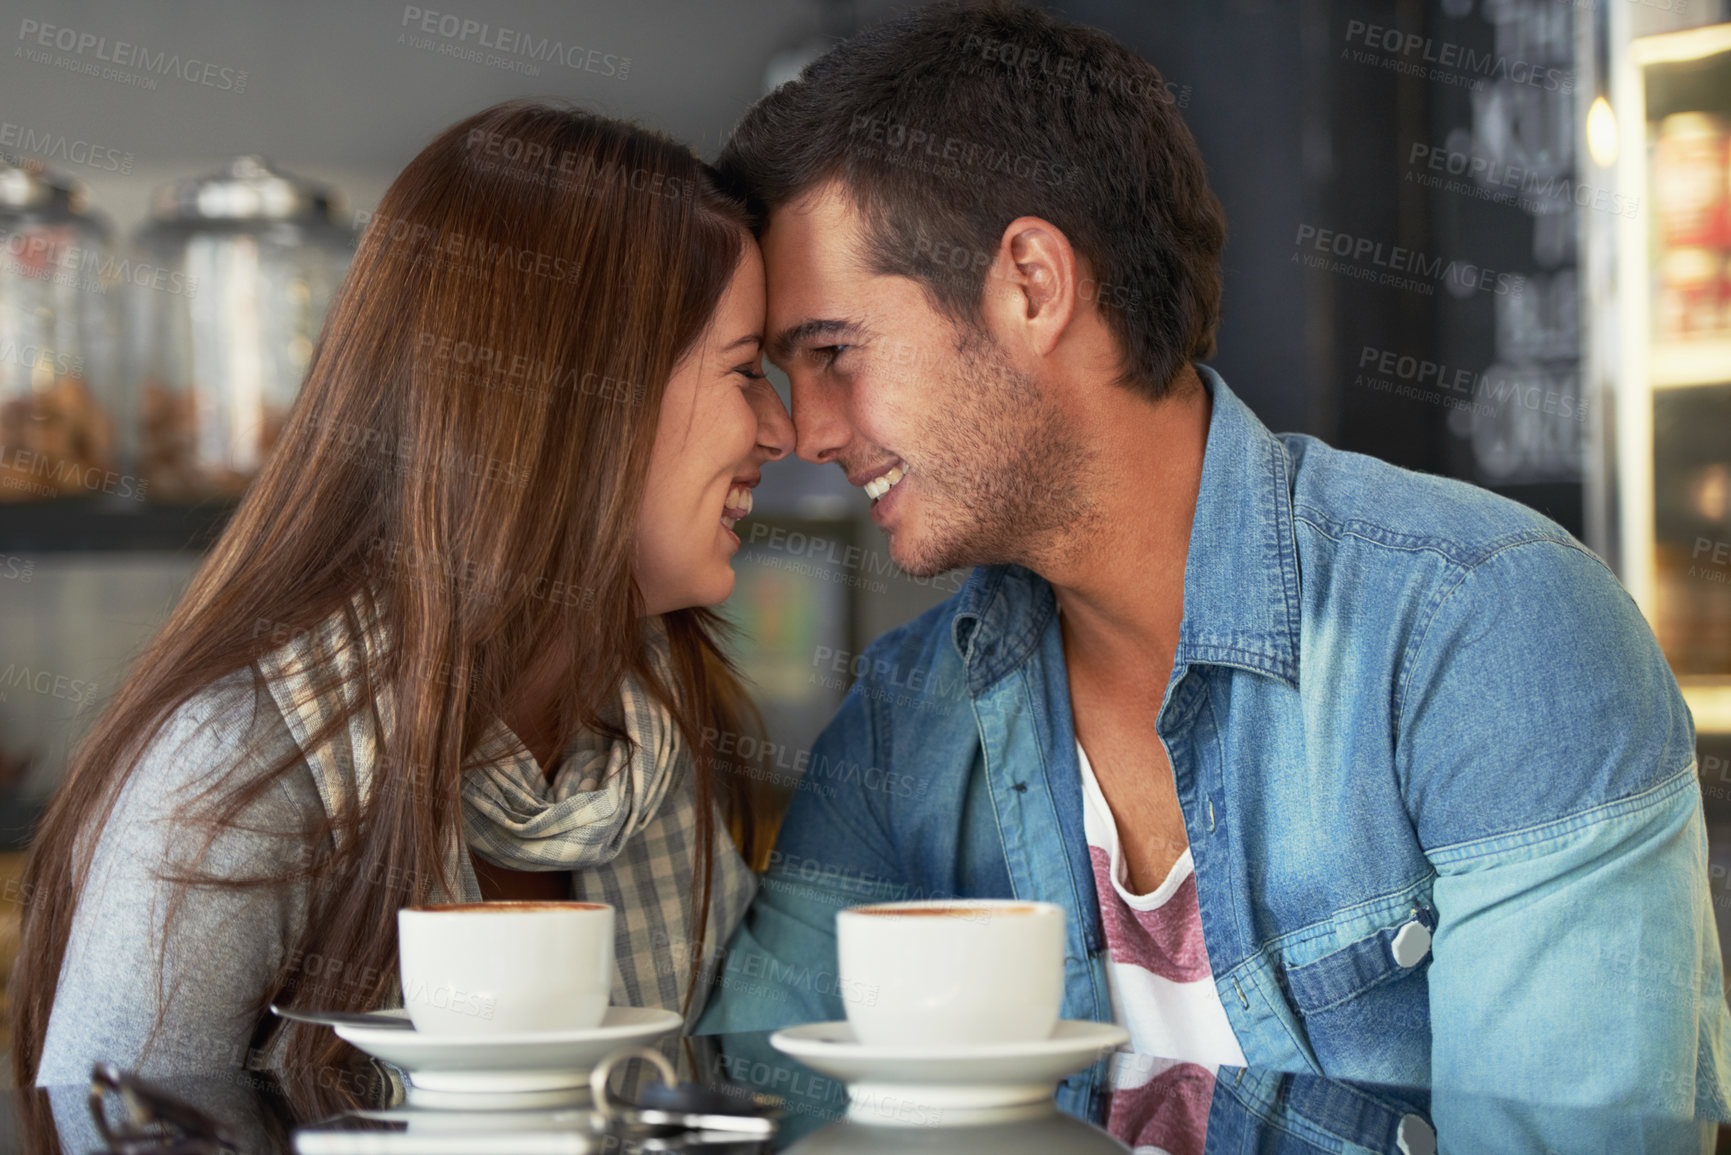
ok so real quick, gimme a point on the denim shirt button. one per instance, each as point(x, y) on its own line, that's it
point(1415, 1137)
point(1411, 944)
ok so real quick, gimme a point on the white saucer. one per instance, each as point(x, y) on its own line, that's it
point(468, 1132)
point(527, 1070)
point(963, 1085)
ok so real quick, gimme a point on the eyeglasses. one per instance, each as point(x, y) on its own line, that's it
point(156, 1122)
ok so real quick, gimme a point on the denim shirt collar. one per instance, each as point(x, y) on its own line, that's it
point(1241, 598)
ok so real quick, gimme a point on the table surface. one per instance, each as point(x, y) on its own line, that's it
point(1251, 1110)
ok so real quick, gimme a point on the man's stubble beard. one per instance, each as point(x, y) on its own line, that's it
point(1004, 482)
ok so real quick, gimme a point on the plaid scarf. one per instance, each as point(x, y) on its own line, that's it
point(622, 819)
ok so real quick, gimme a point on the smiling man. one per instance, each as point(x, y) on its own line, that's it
point(1334, 767)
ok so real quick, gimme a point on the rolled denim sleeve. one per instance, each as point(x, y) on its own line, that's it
point(1547, 759)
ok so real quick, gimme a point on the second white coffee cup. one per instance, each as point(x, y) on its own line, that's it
point(951, 972)
point(479, 968)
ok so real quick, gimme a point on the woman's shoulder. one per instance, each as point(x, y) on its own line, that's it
point(134, 943)
point(215, 790)
point(224, 737)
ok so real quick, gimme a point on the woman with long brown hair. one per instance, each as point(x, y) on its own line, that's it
point(453, 644)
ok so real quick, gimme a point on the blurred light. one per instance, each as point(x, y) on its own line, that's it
point(1713, 492)
point(1602, 133)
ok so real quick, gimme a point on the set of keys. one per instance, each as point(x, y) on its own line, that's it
point(675, 1116)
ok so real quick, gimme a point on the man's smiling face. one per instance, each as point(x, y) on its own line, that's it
point(960, 450)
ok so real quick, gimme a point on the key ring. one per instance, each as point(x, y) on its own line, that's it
point(603, 1071)
point(677, 1116)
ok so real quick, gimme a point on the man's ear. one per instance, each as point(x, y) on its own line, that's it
point(1030, 289)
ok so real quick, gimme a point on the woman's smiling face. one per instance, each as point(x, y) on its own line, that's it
point(720, 421)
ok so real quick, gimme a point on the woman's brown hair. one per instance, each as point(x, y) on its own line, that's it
point(467, 457)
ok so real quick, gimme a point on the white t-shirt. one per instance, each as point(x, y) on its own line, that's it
point(1162, 993)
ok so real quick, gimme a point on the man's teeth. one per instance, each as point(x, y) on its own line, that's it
point(878, 486)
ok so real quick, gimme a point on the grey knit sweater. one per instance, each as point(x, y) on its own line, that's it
point(205, 971)
point(197, 981)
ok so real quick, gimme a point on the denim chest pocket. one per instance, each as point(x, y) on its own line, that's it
point(1396, 952)
point(1366, 1006)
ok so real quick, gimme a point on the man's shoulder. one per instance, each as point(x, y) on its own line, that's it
point(914, 671)
point(925, 640)
point(1482, 618)
point(1344, 497)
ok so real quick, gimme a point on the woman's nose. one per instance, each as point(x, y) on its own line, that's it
point(774, 426)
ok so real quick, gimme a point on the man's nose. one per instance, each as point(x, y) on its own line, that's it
point(819, 420)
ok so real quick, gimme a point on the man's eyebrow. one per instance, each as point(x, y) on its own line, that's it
point(794, 336)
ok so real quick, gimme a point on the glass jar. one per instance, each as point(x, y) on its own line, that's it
point(57, 338)
point(244, 264)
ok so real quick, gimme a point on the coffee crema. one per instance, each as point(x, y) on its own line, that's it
point(506, 906)
point(943, 911)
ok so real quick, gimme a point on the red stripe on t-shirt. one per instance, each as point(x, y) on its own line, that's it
point(1169, 1111)
point(1166, 941)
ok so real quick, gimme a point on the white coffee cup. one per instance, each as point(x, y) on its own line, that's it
point(482, 968)
point(951, 972)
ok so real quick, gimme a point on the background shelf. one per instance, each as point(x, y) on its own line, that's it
point(78, 525)
point(1678, 364)
point(1710, 701)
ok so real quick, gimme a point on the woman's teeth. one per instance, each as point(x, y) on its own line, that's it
point(737, 505)
point(878, 486)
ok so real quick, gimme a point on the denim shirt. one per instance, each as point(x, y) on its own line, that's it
point(1437, 778)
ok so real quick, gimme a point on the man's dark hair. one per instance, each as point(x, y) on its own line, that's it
point(947, 124)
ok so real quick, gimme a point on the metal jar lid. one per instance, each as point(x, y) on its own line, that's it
point(29, 184)
point(248, 188)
